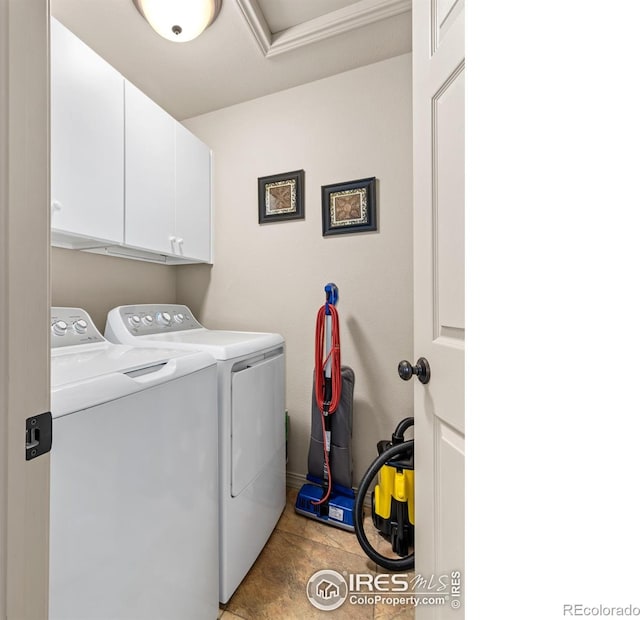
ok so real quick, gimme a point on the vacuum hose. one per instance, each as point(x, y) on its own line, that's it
point(322, 373)
point(328, 377)
point(400, 564)
point(398, 434)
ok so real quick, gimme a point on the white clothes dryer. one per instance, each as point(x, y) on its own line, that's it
point(134, 488)
point(251, 409)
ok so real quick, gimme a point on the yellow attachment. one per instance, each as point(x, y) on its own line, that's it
point(399, 487)
point(383, 490)
point(409, 481)
point(395, 483)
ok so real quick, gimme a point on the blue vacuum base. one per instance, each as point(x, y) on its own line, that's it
point(338, 511)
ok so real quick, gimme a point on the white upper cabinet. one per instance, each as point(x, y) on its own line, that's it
point(193, 196)
point(87, 144)
point(167, 182)
point(126, 178)
point(150, 174)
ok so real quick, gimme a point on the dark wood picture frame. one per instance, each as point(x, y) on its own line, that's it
point(349, 207)
point(281, 197)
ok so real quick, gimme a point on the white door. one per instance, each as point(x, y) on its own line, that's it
point(438, 104)
point(24, 305)
point(193, 196)
point(257, 403)
point(149, 173)
point(87, 140)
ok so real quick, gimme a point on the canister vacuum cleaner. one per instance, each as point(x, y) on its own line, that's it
point(392, 500)
point(329, 497)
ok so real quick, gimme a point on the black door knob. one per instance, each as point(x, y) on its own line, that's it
point(422, 370)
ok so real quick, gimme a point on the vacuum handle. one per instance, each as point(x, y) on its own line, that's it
point(398, 434)
point(331, 293)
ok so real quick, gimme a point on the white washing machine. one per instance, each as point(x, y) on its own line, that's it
point(251, 395)
point(134, 490)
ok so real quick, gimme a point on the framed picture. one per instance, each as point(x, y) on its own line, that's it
point(281, 197)
point(349, 207)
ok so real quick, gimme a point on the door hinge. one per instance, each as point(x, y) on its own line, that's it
point(38, 435)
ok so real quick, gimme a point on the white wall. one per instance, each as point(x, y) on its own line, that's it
point(271, 277)
point(98, 283)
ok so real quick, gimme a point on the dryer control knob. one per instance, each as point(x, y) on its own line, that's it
point(178, 317)
point(59, 328)
point(163, 318)
point(135, 321)
point(147, 319)
point(80, 326)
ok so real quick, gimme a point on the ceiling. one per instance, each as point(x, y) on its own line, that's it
point(255, 47)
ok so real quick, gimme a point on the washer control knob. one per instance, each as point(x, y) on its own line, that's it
point(178, 317)
point(147, 319)
point(135, 321)
point(80, 326)
point(59, 328)
point(163, 318)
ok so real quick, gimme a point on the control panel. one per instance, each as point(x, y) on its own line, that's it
point(145, 319)
point(72, 326)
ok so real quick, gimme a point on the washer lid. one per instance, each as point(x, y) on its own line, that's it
point(84, 376)
point(222, 344)
point(84, 362)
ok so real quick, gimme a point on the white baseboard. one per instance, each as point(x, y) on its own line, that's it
point(295, 481)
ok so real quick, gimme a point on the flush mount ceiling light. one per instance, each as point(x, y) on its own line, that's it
point(179, 20)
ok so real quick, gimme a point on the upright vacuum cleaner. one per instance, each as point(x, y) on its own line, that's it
point(329, 497)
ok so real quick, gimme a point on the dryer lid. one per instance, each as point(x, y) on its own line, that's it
point(175, 326)
point(223, 345)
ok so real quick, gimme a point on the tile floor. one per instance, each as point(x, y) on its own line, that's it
point(276, 584)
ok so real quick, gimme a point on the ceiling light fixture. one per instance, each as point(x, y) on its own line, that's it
point(179, 20)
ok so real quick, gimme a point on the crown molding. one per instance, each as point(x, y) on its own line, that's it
point(257, 23)
point(337, 22)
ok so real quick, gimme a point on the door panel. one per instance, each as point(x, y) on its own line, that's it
point(150, 173)
point(444, 14)
point(134, 530)
point(448, 449)
point(447, 143)
point(87, 140)
point(193, 196)
point(439, 324)
point(257, 419)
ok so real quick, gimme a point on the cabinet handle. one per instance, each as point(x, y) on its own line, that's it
point(55, 206)
point(180, 241)
point(172, 239)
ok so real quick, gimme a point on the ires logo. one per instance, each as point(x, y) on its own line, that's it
point(364, 582)
point(327, 589)
point(448, 583)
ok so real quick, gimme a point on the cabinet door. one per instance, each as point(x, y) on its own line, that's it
point(193, 196)
point(87, 140)
point(150, 174)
